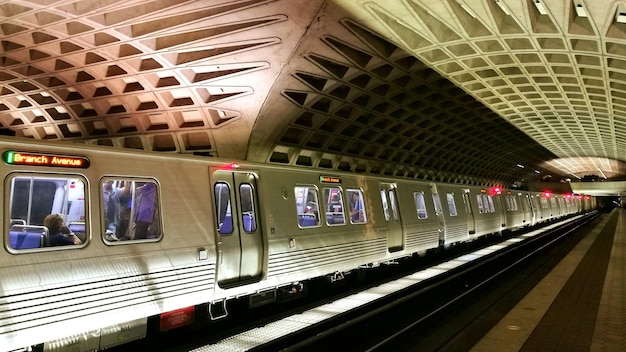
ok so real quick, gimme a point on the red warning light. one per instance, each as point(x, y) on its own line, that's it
point(547, 194)
point(228, 166)
point(495, 190)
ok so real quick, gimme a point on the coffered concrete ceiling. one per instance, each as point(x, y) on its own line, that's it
point(472, 91)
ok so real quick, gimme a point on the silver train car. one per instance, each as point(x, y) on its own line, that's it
point(97, 241)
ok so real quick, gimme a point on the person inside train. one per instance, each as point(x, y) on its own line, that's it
point(111, 198)
point(116, 205)
point(311, 214)
point(146, 209)
point(356, 212)
point(126, 199)
point(58, 233)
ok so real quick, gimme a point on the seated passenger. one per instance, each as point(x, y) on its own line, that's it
point(58, 233)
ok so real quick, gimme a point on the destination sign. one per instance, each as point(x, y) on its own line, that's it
point(330, 179)
point(40, 159)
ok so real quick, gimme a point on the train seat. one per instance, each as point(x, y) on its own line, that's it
point(335, 218)
point(26, 237)
point(307, 221)
point(78, 228)
point(248, 223)
point(226, 227)
point(18, 222)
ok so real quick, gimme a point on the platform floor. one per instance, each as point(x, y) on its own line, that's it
point(579, 306)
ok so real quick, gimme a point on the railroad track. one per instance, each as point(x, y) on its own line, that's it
point(449, 314)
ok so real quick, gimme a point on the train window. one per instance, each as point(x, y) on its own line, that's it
point(223, 208)
point(451, 204)
point(248, 218)
point(307, 206)
point(481, 206)
point(46, 211)
point(437, 204)
point(383, 197)
point(130, 209)
point(553, 203)
point(357, 206)
point(394, 205)
point(420, 205)
point(333, 201)
point(485, 203)
point(511, 203)
point(489, 205)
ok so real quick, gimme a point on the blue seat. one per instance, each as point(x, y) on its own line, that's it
point(27, 237)
point(248, 223)
point(226, 227)
point(334, 219)
point(307, 221)
point(77, 227)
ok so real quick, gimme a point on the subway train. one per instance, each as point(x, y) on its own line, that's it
point(99, 240)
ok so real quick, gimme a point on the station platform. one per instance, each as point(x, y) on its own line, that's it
point(579, 306)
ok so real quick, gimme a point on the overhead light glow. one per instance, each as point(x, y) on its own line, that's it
point(503, 6)
point(468, 10)
point(540, 7)
point(620, 14)
point(580, 10)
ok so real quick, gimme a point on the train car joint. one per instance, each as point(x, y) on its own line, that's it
point(217, 310)
point(391, 262)
point(293, 291)
point(369, 266)
point(262, 298)
point(294, 288)
point(337, 276)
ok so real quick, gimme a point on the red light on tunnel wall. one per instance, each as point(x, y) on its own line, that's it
point(547, 194)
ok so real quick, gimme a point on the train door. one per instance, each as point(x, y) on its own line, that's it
point(240, 246)
point(529, 211)
point(502, 207)
point(441, 224)
point(469, 210)
point(389, 197)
